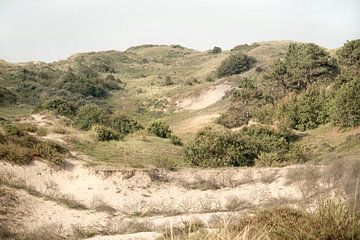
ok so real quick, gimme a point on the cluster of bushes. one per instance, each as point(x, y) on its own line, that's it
point(235, 64)
point(225, 148)
point(161, 129)
point(34, 82)
point(318, 95)
point(107, 126)
point(19, 147)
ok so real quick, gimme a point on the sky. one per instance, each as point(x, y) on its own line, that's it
point(49, 30)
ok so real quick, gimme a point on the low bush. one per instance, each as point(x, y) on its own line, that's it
point(220, 149)
point(103, 133)
point(235, 64)
point(61, 106)
point(176, 140)
point(123, 124)
point(226, 148)
point(160, 129)
point(90, 115)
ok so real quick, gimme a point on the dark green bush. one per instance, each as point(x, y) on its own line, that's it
point(160, 129)
point(216, 50)
point(61, 106)
point(235, 64)
point(90, 115)
point(303, 64)
point(123, 124)
point(346, 107)
point(104, 133)
point(307, 110)
point(220, 149)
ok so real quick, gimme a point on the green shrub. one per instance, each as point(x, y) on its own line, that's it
point(160, 129)
point(303, 64)
point(104, 133)
point(220, 149)
point(235, 64)
point(90, 115)
point(123, 124)
point(214, 149)
point(307, 110)
point(7, 97)
point(346, 107)
point(61, 106)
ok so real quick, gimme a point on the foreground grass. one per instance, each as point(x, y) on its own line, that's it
point(331, 221)
point(15, 111)
point(137, 150)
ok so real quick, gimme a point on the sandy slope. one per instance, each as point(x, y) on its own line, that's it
point(205, 99)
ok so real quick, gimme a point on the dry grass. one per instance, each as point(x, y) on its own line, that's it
point(332, 221)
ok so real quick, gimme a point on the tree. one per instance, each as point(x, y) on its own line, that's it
point(303, 64)
point(346, 109)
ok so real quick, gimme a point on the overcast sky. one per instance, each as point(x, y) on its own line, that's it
point(49, 30)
